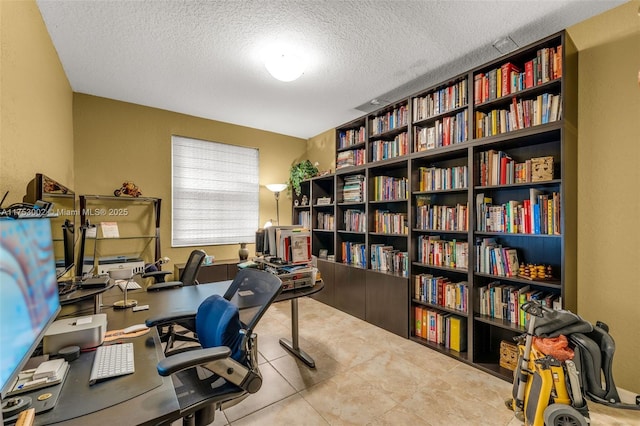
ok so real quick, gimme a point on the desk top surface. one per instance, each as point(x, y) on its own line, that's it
point(159, 402)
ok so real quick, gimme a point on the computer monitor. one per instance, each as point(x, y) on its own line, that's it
point(28, 293)
point(68, 238)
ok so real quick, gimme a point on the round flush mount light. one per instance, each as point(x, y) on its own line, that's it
point(285, 67)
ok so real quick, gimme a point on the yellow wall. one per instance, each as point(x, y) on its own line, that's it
point(609, 181)
point(322, 149)
point(36, 125)
point(117, 141)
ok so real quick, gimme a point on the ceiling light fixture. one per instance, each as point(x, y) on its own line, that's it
point(285, 67)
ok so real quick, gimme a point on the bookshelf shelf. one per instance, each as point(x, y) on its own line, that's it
point(438, 182)
point(462, 356)
point(136, 221)
point(439, 231)
point(441, 268)
point(350, 147)
point(441, 308)
point(501, 323)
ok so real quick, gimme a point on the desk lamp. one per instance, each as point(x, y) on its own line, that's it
point(127, 275)
point(277, 188)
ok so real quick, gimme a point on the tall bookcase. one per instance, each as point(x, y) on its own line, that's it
point(450, 178)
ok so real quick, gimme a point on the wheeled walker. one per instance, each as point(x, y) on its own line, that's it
point(553, 392)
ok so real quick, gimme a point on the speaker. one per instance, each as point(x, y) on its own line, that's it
point(259, 241)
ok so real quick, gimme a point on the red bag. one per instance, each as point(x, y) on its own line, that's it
point(557, 347)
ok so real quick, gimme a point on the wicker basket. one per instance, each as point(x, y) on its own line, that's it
point(508, 355)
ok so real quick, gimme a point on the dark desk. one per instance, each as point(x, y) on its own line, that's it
point(188, 298)
point(85, 294)
point(158, 404)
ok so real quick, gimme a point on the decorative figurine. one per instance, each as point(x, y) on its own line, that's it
point(128, 188)
point(305, 200)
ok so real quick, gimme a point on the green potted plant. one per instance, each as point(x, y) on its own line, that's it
point(299, 172)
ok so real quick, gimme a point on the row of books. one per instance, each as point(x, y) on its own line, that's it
point(390, 223)
point(387, 259)
point(355, 220)
point(503, 301)
point(498, 168)
point(354, 189)
point(382, 150)
point(437, 179)
point(354, 254)
point(350, 137)
point(440, 101)
point(441, 328)
point(304, 219)
point(389, 121)
point(326, 221)
point(509, 78)
point(440, 291)
point(522, 114)
point(434, 251)
point(390, 188)
point(293, 245)
point(540, 214)
point(447, 131)
point(492, 258)
point(442, 218)
point(353, 157)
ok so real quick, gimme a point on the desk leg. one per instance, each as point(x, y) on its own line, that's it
point(292, 346)
point(97, 303)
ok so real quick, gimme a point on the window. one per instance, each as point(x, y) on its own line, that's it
point(215, 193)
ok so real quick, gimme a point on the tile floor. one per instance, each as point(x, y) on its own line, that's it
point(365, 375)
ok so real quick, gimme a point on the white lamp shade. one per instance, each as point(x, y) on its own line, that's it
point(285, 67)
point(276, 187)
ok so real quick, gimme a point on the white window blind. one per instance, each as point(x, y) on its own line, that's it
point(215, 193)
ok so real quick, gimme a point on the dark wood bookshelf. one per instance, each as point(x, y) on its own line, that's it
point(366, 293)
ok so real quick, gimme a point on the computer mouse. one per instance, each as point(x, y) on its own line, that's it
point(134, 328)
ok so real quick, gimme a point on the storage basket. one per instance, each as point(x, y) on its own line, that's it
point(508, 355)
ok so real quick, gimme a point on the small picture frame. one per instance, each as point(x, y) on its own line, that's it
point(323, 253)
point(324, 201)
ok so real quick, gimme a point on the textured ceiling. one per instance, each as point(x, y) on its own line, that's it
point(206, 58)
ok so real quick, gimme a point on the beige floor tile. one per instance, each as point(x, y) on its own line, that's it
point(399, 415)
point(274, 389)
point(394, 376)
point(293, 410)
point(300, 376)
point(347, 399)
point(368, 376)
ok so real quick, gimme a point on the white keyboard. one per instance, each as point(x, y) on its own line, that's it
point(112, 361)
point(130, 285)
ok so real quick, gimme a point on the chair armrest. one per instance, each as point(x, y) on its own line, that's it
point(164, 285)
point(156, 275)
point(169, 318)
point(189, 359)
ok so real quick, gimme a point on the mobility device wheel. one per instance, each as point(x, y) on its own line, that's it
point(563, 415)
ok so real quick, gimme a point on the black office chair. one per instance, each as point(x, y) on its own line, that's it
point(223, 370)
point(187, 277)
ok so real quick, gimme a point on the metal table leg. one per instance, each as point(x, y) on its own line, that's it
point(293, 346)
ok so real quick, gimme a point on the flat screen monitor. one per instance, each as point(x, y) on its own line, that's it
point(28, 292)
point(68, 238)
